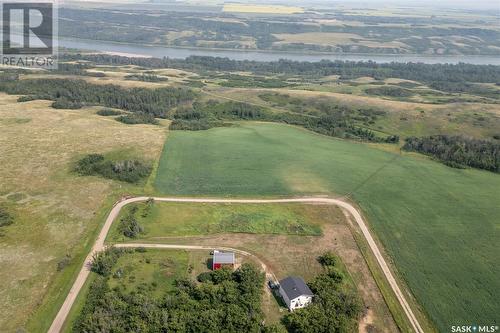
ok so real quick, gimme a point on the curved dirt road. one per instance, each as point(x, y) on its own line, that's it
point(58, 322)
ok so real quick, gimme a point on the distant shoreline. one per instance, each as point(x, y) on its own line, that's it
point(156, 51)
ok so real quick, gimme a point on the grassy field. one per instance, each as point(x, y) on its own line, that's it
point(156, 270)
point(56, 211)
point(181, 219)
point(440, 225)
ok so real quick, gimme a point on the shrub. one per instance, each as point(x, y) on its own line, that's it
point(109, 112)
point(129, 226)
point(204, 277)
point(67, 104)
point(131, 171)
point(103, 262)
point(327, 259)
point(88, 165)
point(138, 118)
point(26, 98)
point(5, 217)
point(65, 261)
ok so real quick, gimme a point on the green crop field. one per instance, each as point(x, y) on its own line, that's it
point(187, 219)
point(440, 225)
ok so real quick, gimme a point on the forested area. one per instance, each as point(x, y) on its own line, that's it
point(226, 302)
point(425, 73)
point(74, 94)
point(130, 171)
point(458, 151)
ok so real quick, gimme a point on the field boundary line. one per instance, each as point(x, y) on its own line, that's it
point(98, 246)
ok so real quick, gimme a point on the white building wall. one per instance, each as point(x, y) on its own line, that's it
point(299, 302)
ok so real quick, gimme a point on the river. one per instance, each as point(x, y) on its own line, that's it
point(181, 53)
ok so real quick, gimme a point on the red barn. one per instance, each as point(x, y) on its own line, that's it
point(222, 259)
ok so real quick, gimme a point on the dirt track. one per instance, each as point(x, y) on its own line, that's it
point(58, 322)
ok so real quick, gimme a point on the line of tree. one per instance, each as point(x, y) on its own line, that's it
point(77, 93)
point(458, 151)
point(426, 73)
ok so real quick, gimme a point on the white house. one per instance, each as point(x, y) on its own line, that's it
point(295, 293)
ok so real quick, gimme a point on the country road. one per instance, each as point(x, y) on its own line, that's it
point(59, 320)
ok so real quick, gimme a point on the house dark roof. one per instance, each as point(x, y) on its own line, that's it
point(223, 257)
point(294, 287)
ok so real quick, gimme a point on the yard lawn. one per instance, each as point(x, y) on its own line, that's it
point(156, 270)
point(439, 225)
point(57, 212)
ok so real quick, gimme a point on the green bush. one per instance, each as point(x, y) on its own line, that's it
point(138, 118)
point(129, 226)
point(65, 261)
point(5, 217)
point(131, 171)
point(67, 104)
point(328, 259)
point(109, 112)
point(103, 262)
